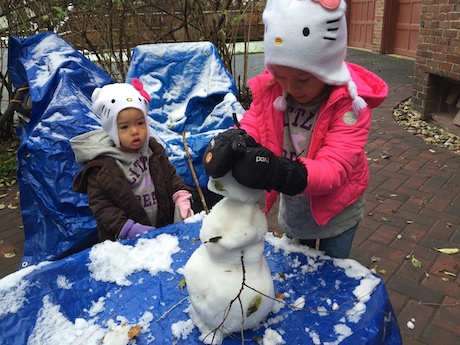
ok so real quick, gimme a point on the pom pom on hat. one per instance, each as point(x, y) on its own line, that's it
point(280, 102)
point(309, 35)
point(358, 102)
point(109, 100)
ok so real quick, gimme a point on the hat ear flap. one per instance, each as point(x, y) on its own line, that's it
point(95, 94)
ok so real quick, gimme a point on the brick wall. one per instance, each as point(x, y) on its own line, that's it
point(379, 12)
point(437, 65)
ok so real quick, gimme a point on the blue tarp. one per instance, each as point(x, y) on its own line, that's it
point(344, 302)
point(191, 93)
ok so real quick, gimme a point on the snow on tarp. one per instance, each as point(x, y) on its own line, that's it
point(78, 299)
point(191, 92)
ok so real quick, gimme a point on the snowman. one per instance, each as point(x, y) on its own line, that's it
point(229, 283)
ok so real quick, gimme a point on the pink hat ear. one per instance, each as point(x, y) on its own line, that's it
point(329, 4)
point(140, 87)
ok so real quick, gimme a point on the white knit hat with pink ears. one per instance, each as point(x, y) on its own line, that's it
point(310, 35)
point(109, 100)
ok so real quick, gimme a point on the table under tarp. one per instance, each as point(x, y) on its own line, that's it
point(78, 299)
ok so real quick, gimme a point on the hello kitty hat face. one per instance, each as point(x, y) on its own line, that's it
point(307, 35)
point(109, 100)
point(310, 35)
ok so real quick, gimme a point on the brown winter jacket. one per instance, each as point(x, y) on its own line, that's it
point(110, 197)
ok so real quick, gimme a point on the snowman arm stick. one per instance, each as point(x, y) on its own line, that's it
point(169, 310)
point(197, 183)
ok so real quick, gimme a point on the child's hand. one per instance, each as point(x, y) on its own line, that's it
point(182, 200)
point(223, 149)
point(132, 229)
point(259, 168)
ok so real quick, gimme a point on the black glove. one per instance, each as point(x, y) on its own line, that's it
point(259, 168)
point(223, 149)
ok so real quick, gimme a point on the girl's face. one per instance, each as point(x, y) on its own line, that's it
point(132, 129)
point(301, 85)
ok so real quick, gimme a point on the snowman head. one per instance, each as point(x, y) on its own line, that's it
point(233, 226)
point(227, 186)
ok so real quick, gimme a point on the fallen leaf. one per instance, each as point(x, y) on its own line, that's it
point(408, 256)
point(385, 219)
point(383, 272)
point(444, 279)
point(375, 258)
point(416, 262)
point(258, 340)
point(398, 236)
point(9, 255)
point(409, 221)
point(279, 295)
point(447, 273)
point(134, 331)
point(254, 305)
point(424, 201)
point(182, 284)
point(447, 250)
point(219, 186)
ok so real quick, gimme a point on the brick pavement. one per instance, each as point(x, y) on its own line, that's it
point(412, 206)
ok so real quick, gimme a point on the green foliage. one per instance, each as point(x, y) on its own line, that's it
point(8, 166)
point(8, 160)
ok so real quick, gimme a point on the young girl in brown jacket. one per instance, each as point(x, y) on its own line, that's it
point(131, 185)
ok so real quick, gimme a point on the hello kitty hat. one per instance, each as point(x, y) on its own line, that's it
point(310, 35)
point(109, 100)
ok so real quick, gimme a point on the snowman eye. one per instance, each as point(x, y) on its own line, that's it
point(306, 32)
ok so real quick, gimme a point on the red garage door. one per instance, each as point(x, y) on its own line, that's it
point(361, 23)
point(407, 27)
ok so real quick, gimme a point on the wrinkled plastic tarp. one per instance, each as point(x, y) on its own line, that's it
point(57, 220)
point(192, 93)
point(330, 304)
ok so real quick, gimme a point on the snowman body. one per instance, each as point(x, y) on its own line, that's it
point(231, 252)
